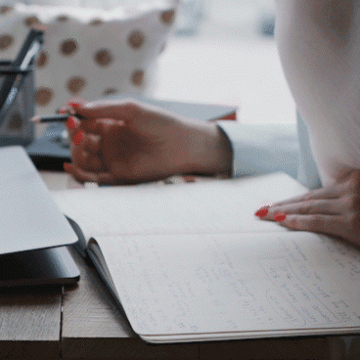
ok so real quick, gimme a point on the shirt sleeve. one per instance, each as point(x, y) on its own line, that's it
point(270, 147)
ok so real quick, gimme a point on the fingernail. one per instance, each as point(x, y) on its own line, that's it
point(263, 211)
point(62, 111)
point(70, 123)
point(78, 137)
point(66, 167)
point(75, 105)
point(279, 217)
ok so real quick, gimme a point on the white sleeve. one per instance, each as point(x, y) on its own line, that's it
point(269, 147)
point(262, 148)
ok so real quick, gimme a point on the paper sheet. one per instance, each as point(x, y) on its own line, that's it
point(235, 285)
point(212, 207)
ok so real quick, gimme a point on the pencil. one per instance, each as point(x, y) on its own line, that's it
point(53, 118)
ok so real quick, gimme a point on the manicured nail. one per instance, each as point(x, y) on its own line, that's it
point(279, 217)
point(75, 105)
point(70, 123)
point(78, 137)
point(263, 211)
point(62, 111)
point(66, 167)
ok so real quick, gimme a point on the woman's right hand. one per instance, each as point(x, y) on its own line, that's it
point(121, 142)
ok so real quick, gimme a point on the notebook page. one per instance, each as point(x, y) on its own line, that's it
point(209, 207)
point(175, 287)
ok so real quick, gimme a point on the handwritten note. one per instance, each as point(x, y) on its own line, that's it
point(192, 262)
point(176, 285)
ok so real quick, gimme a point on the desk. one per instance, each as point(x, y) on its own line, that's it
point(84, 322)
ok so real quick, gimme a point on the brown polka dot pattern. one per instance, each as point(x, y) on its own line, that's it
point(96, 22)
point(103, 57)
point(168, 17)
point(42, 59)
point(43, 96)
point(76, 84)
point(136, 39)
point(6, 41)
point(118, 59)
point(137, 77)
point(62, 18)
point(31, 20)
point(68, 47)
point(110, 91)
point(5, 9)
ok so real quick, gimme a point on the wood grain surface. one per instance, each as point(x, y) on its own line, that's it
point(94, 326)
point(30, 322)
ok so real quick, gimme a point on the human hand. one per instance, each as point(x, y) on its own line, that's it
point(130, 142)
point(332, 210)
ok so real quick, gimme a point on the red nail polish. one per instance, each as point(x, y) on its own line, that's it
point(78, 137)
point(262, 212)
point(66, 167)
point(70, 123)
point(75, 105)
point(279, 217)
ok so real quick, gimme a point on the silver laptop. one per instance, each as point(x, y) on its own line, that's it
point(34, 233)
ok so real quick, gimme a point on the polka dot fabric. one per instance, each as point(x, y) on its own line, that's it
point(88, 53)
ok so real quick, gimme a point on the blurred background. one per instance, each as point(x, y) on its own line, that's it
point(221, 52)
point(224, 52)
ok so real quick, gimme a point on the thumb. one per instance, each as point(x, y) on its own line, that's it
point(118, 110)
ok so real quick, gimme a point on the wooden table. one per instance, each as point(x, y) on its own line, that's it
point(84, 322)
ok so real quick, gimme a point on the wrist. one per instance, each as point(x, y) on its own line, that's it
point(209, 150)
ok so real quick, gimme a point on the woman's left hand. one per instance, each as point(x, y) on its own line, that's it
point(332, 210)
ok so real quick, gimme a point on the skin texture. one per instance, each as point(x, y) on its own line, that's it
point(126, 142)
point(332, 210)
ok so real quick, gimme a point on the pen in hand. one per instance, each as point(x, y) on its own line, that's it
point(54, 118)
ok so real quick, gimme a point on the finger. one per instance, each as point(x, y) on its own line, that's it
point(85, 160)
point(73, 126)
point(76, 103)
point(325, 224)
point(326, 207)
point(84, 176)
point(92, 143)
point(93, 126)
point(91, 163)
point(322, 193)
point(119, 110)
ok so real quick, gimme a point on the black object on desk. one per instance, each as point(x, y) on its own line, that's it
point(51, 150)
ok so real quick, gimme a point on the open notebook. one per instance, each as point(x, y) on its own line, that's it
point(33, 230)
point(191, 262)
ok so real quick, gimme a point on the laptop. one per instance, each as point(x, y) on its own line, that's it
point(35, 235)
